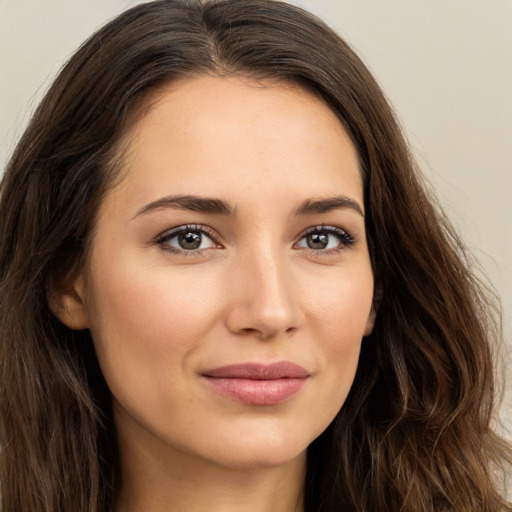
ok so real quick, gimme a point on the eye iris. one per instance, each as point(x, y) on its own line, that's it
point(317, 240)
point(189, 240)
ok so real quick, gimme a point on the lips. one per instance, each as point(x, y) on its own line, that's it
point(256, 383)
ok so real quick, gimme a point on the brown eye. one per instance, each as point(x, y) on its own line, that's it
point(325, 239)
point(186, 239)
point(317, 241)
point(190, 240)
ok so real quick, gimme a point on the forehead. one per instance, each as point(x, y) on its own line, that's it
point(218, 136)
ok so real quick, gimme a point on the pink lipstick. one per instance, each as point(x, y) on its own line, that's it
point(257, 383)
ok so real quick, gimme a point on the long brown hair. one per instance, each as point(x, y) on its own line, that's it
point(415, 433)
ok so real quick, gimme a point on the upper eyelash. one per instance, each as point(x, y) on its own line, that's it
point(171, 233)
point(343, 235)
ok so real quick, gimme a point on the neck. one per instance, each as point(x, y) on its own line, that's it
point(226, 491)
point(160, 479)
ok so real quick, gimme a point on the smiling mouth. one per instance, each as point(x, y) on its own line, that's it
point(256, 383)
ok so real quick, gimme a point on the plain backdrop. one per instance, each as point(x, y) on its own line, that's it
point(445, 65)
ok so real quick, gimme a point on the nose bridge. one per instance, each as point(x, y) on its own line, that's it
point(264, 301)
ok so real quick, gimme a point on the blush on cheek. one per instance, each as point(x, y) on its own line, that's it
point(345, 315)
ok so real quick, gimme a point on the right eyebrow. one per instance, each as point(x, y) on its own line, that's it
point(190, 203)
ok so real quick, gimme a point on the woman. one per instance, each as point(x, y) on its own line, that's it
point(223, 286)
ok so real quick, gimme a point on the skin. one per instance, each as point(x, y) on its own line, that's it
point(255, 291)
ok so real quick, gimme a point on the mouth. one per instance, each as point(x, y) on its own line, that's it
point(256, 383)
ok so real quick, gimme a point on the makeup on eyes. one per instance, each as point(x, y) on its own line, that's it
point(317, 238)
point(190, 239)
point(195, 239)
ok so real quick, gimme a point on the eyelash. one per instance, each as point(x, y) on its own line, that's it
point(345, 238)
point(163, 239)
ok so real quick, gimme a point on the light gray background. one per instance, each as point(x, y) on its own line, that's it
point(446, 66)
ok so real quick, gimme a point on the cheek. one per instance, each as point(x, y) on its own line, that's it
point(152, 319)
point(129, 298)
point(339, 316)
point(340, 308)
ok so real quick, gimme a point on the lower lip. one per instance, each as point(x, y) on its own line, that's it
point(256, 392)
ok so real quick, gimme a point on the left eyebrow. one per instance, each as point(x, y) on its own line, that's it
point(326, 205)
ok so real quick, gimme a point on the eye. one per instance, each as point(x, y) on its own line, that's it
point(186, 239)
point(326, 239)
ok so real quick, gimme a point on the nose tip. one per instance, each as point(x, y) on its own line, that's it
point(264, 302)
point(265, 325)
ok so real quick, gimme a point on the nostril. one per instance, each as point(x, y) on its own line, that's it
point(266, 308)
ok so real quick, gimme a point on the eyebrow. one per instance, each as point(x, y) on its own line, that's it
point(220, 207)
point(326, 205)
point(191, 203)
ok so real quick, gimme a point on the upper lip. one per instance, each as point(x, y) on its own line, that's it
point(259, 371)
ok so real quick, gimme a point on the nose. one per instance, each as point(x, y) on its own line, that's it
point(263, 298)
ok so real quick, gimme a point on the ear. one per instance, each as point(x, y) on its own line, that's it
point(370, 322)
point(66, 301)
point(377, 298)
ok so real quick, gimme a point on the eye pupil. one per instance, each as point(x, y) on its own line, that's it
point(189, 240)
point(317, 240)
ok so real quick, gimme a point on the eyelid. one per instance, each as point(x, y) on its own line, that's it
point(345, 237)
point(171, 233)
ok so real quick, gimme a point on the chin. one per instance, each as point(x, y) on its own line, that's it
point(251, 451)
point(262, 459)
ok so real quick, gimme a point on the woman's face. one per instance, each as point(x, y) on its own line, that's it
point(229, 284)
